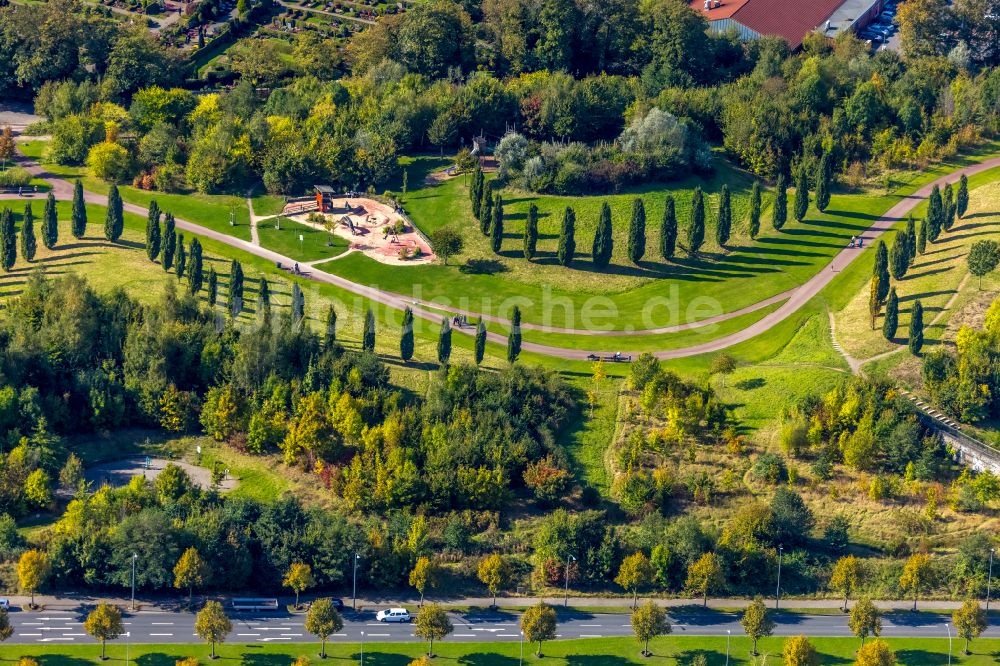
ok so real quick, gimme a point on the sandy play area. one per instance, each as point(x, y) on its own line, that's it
point(370, 227)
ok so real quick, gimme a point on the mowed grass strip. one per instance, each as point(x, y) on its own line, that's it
point(672, 650)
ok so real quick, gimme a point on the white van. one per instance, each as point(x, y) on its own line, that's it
point(393, 615)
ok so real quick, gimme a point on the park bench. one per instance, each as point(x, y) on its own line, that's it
point(614, 358)
point(254, 604)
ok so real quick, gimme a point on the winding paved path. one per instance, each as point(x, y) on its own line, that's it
point(793, 299)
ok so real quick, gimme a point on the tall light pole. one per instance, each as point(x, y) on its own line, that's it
point(566, 597)
point(354, 591)
point(729, 634)
point(948, 627)
point(989, 581)
point(134, 558)
point(520, 662)
point(777, 590)
point(362, 648)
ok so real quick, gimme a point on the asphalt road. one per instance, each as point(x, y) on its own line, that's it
point(167, 627)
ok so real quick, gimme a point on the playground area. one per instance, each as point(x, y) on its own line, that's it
point(371, 227)
point(118, 473)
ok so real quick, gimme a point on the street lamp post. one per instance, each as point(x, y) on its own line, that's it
point(354, 591)
point(134, 558)
point(362, 648)
point(729, 634)
point(520, 661)
point(777, 590)
point(566, 597)
point(989, 581)
point(948, 627)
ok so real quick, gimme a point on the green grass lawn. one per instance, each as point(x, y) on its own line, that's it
point(548, 293)
point(315, 244)
point(268, 204)
point(212, 211)
point(672, 650)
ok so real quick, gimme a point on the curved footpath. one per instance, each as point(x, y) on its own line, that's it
point(794, 299)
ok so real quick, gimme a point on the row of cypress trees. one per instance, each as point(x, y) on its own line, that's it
point(444, 345)
point(487, 207)
point(943, 207)
point(49, 229)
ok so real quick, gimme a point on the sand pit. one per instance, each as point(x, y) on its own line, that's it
point(369, 226)
point(119, 472)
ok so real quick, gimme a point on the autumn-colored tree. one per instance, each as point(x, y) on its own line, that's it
point(634, 572)
point(538, 624)
point(970, 621)
point(494, 572)
point(423, 575)
point(105, 624)
point(704, 575)
point(846, 576)
point(298, 578)
point(323, 621)
point(865, 620)
point(212, 625)
point(757, 622)
point(876, 653)
point(917, 575)
point(32, 570)
point(798, 651)
point(648, 622)
point(190, 570)
point(432, 624)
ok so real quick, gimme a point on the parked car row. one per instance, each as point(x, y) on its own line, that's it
point(879, 31)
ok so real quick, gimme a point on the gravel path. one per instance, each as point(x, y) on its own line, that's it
point(120, 472)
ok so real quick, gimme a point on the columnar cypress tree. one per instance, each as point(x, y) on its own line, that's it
point(603, 238)
point(50, 223)
point(637, 232)
point(79, 219)
point(213, 287)
point(153, 231)
point(696, 232)
point(180, 260)
point(406, 339)
point(486, 208)
point(263, 294)
point(169, 246)
point(881, 270)
point(496, 231)
point(724, 227)
point(922, 237)
point(802, 194)
point(531, 233)
point(8, 240)
point(891, 321)
point(567, 238)
point(779, 213)
point(911, 240)
point(668, 228)
point(514, 339)
point(755, 203)
point(114, 222)
point(935, 214)
point(298, 304)
point(823, 177)
point(235, 300)
point(330, 334)
point(947, 207)
point(29, 244)
point(368, 337)
point(444, 342)
point(874, 300)
point(916, 339)
point(962, 202)
point(195, 273)
point(899, 256)
point(480, 341)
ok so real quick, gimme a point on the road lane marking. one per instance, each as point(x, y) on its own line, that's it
point(291, 634)
point(590, 635)
point(589, 625)
point(162, 624)
point(29, 635)
point(455, 635)
point(161, 634)
point(248, 634)
point(379, 635)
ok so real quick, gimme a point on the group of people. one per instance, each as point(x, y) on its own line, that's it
point(857, 241)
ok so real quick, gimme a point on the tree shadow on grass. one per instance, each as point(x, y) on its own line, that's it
point(973, 216)
point(488, 659)
point(597, 660)
point(61, 660)
point(922, 657)
point(925, 264)
point(855, 215)
point(798, 244)
point(927, 273)
point(380, 659)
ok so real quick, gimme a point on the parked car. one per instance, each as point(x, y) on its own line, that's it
point(5, 604)
point(393, 615)
point(338, 604)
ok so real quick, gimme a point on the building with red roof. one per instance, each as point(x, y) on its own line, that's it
point(791, 20)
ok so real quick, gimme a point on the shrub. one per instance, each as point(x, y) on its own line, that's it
point(769, 468)
point(15, 177)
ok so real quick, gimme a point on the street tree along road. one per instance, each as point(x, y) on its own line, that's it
point(66, 626)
